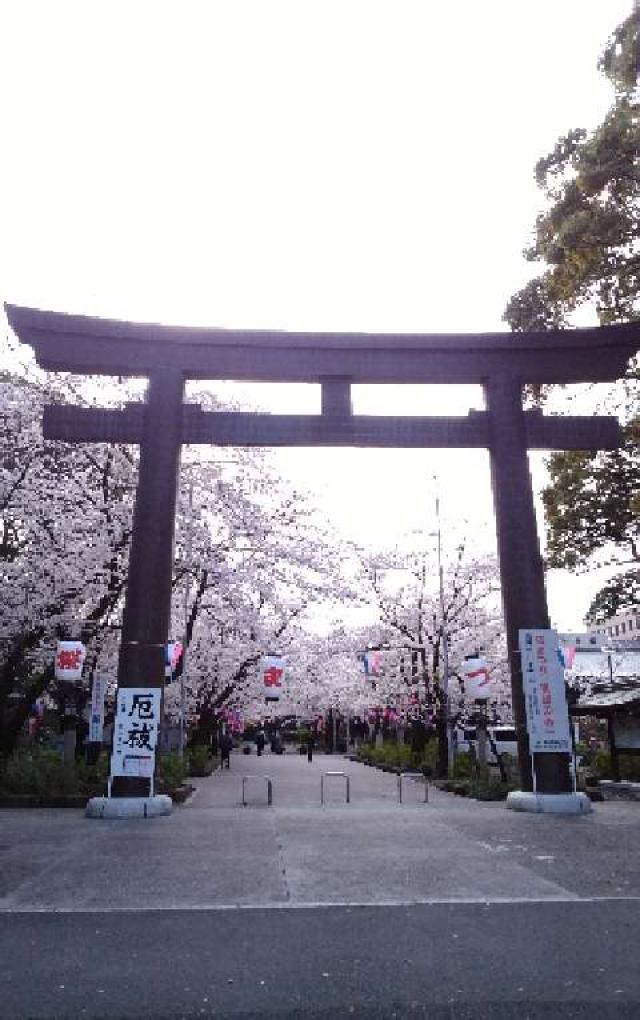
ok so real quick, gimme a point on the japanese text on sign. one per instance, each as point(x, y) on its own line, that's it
point(544, 692)
point(96, 721)
point(136, 731)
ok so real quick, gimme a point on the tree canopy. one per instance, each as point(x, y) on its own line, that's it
point(251, 557)
point(587, 239)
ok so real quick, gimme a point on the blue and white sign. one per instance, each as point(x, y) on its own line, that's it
point(96, 719)
point(544, 692)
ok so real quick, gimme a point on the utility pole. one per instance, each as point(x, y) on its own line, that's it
point(445, 643)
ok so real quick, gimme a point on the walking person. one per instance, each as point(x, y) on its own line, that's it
point(260, 742)
point(226, 744)
point(310, 743)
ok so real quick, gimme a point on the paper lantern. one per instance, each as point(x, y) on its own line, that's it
point(69, 660)
point(477, 683)
point(174, 654)
point(272, 669)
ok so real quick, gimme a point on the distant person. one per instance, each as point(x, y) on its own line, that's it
point(310, 743)
point(226, 744)
point(260, 742)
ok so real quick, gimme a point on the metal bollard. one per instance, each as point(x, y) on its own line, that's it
point(269, 789)
point(416, 778)
point(347, 785)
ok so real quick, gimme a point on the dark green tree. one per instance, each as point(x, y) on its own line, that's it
point(588, 241)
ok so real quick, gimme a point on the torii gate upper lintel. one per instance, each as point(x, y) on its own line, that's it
point(501, 362)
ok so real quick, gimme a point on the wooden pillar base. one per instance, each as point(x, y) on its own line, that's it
point(553, 773)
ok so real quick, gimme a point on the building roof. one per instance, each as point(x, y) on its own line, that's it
point(607, 702)
point(622, 662)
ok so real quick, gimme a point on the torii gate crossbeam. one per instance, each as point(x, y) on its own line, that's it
point(501, 362)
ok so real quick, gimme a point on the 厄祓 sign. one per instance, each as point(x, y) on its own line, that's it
point(544, 691)
point(135, 736)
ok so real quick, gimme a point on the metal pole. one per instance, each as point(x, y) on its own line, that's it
point(187, 586)
point(445, 644)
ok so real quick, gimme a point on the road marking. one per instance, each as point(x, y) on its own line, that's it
point(321, 905)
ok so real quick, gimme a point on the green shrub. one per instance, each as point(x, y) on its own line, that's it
point(390, 753)
point(629, 766)
point(462, 765)
point(171, 770)
point(93, 778)
point(198, 758)
point(40, 772)
point(429, 756)
point(491, 789)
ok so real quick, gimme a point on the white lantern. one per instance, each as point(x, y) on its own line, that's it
point(69, 660)
point(272, 676)
point(477, 682)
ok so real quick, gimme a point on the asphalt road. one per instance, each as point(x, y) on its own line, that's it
point(449, 909)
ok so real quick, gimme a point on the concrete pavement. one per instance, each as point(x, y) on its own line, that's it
point(212, 852)
point(493, 909)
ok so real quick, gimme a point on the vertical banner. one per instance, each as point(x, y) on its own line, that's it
point(172, 658)
point(272, 671)
point(96, 720)
point(371, 663)
point(135, 735)
point(70, 656)
point(544, 692)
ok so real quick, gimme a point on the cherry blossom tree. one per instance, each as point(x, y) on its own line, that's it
point(415, 620)
point(252, 557)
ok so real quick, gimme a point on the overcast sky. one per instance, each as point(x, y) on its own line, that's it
point(344, 164)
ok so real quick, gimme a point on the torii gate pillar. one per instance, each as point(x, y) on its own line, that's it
point(524, 597)
point(147, 609)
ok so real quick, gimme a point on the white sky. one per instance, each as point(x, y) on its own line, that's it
point(340, 164)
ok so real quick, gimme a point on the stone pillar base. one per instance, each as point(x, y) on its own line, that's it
point(549, 803)
point(129, 807)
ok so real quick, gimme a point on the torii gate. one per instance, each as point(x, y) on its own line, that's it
point(501, 362)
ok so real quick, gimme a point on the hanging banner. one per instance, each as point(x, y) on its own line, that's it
point(172, 658)
point(69, 660)
point(96, 719)
point(544, 692)
point(272, 671)
point(477, 682)
point(567, 655)
point(371, 663)
point(135, 735)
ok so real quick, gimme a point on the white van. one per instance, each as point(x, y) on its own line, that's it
point(502, 740)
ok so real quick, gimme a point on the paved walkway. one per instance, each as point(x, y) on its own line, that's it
point(214, 853)
point(452, 910)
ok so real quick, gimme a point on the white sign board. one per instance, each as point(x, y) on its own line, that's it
point(96, 719)
point(135, 732)
point(544, 692)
